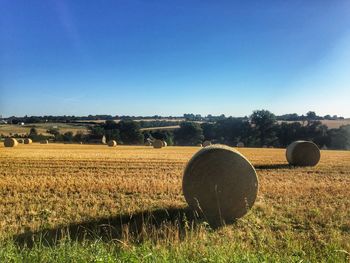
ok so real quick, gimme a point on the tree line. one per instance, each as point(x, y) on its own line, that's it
point(260, 129)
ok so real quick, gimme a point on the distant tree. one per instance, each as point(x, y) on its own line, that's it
point(110, 125)
point(167, 136)
point(208, 131)
point(68, 136)
point(97, 131)
point(33, 131)
point(264, 126)
point(230, 131)
point(189, 133)
point(80, 137)
point(53, 131)
point(340, 138)
point(130, 132)
point(311, 116)
point(112, 131)
point(289, 132)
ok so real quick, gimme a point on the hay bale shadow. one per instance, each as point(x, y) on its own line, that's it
point(135, 227)
point(273, 166)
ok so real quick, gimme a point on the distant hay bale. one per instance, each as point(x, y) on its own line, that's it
point(20, 141)
point(10, 142)
point(157, 144)
point(103, 139)
point(27, 141)
point(220, 183)
point(148, 143)
point(240, 144)
point(206, 143)
point(303, 153)
point(112, 143)
point(44, 142)
point(164, 144)
point(199, 145)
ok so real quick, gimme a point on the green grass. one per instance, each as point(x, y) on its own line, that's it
point(98, 251)
point(197, 244)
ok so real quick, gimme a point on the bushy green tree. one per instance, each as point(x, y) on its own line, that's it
point(263, 123)
point(189, 133)
point(130, 132)
point(340, 138)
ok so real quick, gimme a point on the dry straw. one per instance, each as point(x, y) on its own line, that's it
point(220, 183)
point(10, 142)
point(158, 144)
point(206, 143)
point(27, 141)
point(303, 153)
point(112, 143)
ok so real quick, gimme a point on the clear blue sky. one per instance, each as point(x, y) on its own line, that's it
point(165, 57)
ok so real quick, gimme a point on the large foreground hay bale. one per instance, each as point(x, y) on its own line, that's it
point(10, 142)
point(220, 183)
point(303, 153)
point(158, 144)
point(27, 141)
point(206, 143)
point(112, 143)
point(44, 141)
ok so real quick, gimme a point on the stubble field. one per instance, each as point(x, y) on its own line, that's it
point(88, 202)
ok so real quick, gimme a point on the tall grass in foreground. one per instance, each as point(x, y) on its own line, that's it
point(180, 243)
point(99, 251)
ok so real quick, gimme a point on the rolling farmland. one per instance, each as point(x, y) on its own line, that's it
point(129, 201)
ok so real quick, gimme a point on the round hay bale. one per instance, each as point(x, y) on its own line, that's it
point(199, 145)
point(27, 141)
point(164, 144)
point(10, 142)
point(148, 143)
point(112, 143)
point(220, 183)
point(20, 141)
point(158, 144)
point(303, 153)
point(240, 144)
point(206, 143)
point(44, 142)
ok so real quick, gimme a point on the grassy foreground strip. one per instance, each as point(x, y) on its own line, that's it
point(211, 247)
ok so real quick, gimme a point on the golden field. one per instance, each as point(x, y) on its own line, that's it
point(59, 185)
